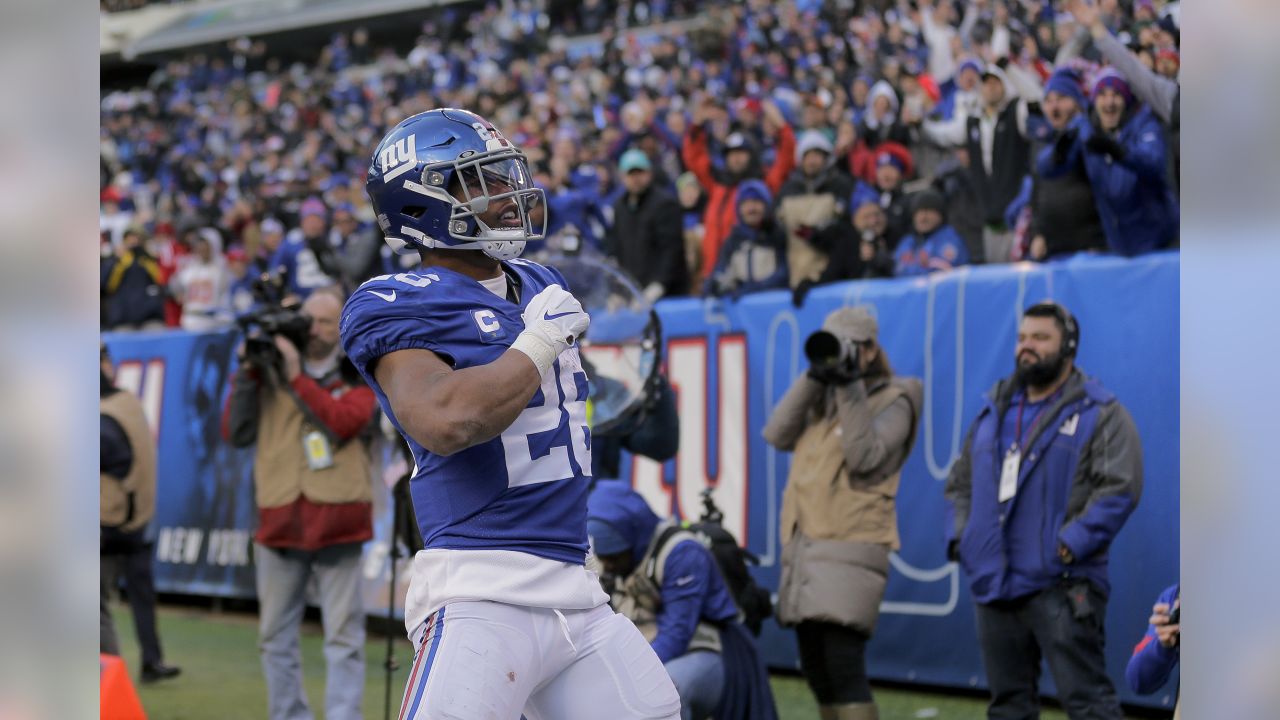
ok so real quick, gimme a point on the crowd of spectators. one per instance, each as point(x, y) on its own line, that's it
point(803, 143)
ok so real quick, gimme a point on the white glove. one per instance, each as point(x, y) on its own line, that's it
point(553, 321)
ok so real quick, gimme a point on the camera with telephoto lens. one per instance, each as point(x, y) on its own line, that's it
point(831, 359)
point(270, 319)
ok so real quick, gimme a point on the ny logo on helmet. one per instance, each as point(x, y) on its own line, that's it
point(398, 158)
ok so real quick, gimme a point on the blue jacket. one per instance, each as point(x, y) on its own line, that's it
point(751, 259)
point(1135, 201)
point(942, 249)
point(299, 262)
point(579, 207)
point(1151, 663)
point(1079, 479)
point(692, 588)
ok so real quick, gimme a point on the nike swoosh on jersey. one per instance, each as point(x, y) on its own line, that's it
point(389, 297)
point(681, 582)
point(549, 316)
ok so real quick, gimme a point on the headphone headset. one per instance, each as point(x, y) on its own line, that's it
point(1071, 329)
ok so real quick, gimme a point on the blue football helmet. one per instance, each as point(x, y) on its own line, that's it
point(437, 173)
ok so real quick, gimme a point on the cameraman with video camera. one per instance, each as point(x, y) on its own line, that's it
point(850, 424)
point(297, 396)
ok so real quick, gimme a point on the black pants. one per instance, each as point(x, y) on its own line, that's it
point(127, 555)
point(1064, 624)
point(833, 660)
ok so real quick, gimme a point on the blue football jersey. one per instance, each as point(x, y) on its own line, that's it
point(302, 269)
point(525, 490)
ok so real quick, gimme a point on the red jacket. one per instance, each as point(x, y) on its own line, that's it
point(722, 200)
point(304, 524)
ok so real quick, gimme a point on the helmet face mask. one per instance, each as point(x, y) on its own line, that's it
point(491, 188)
point(472, 189)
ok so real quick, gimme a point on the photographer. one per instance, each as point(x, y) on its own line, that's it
point(667, 582)
point(312, 485)
point(127, 496)
point(850, 419)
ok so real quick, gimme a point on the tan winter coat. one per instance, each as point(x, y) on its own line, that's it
point(128, 503)
point(281, 472)
point(839, 518)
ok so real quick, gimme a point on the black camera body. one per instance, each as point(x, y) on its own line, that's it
point(273, 318)
point(831, 359)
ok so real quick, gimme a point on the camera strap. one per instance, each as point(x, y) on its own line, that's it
point(310, 414)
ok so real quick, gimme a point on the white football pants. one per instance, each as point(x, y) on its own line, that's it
point(478, 660)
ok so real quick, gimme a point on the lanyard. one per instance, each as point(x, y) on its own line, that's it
point(1022, 403)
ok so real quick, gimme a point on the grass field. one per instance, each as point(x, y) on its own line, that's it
point(221, 677)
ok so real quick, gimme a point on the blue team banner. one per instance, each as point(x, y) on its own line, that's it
point(730, 363)
point(205, 511)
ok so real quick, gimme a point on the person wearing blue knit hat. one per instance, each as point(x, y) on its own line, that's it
point(1066, 83)
point(1123, 152)
point(753, 257)
point(1064, 215)
point(971, 63)
point(961, 96)
point(665, 581)
point(862, 195)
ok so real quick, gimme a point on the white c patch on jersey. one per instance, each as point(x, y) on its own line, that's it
point(487, 321)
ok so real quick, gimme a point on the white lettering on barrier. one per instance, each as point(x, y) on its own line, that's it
point(179, 545)
point(688, 372)
point(228, 546)
point(147, 382)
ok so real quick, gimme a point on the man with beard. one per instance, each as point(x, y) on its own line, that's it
point(308, 415)
point(1050, 472)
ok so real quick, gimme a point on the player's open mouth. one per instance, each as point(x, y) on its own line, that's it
point(509, 217)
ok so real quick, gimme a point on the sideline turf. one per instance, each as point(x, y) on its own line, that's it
point(221, 677)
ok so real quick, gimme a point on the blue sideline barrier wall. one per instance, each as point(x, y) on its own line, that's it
point(730, 363)
point(957, 332)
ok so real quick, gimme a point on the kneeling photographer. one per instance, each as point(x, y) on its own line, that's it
point(298, 397)
point(850, 424)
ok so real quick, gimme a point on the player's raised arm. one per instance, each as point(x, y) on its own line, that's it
point(449, 410)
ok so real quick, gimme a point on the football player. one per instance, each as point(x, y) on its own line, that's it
point(473, 358)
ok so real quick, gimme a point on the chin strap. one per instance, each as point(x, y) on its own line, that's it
point(496, 248)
